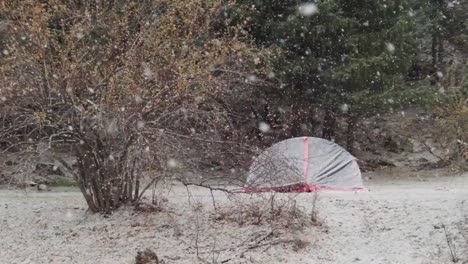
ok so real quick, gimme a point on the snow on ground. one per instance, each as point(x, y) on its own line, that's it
point(399, 220)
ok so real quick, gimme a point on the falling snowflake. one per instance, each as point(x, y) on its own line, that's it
point(172, 163)
point(69, 215)
point(147, 72)
point(112, 127)
point(308, 9)
point(141, 124)
point(79, 35)
point(264, 127)
point(440, 74)
point(271, 75)
point(344, 108)
point(5, 52)
point(138, 99)
point(390, 47)
point(252, 78)
point(451, 4)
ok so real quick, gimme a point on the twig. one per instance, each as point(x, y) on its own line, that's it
point(313, 214)
point(258, 244)
point(453, 254)
point(211, 188)
point(213, 200)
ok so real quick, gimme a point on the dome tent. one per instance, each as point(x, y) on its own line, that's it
point(304, 164)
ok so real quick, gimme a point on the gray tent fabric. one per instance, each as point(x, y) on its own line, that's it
point(305, 161)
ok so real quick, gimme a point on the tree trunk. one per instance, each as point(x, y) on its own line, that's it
point(329, 124)
point(350, 133)
point(434, 50)
point(440, 53)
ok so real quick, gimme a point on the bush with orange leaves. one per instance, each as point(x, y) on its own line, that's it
point(129, 85)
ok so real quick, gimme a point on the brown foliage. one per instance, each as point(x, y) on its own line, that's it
point(129, 84)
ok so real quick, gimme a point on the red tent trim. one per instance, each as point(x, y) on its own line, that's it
point(301, 188)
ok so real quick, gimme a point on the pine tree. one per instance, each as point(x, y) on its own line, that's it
point(344, 58)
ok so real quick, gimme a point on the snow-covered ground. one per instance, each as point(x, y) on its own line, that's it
point(399, 220)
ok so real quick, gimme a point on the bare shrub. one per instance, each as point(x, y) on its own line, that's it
point(264, 209)
point(129, 86)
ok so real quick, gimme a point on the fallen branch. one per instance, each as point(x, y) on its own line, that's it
point(259, 244)
point(211, 188)
point(453, 253)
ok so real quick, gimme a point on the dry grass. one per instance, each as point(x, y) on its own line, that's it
point(279, 212)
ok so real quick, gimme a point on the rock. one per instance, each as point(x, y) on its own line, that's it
point(42, 187)
point(31, 183)
point(417, 146)
point(146, 257)
point(253, 259)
